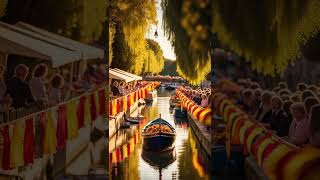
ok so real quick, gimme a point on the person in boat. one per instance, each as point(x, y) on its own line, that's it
point(5, 100)
point(18, 89)
point(55, 92)
point(37, 86)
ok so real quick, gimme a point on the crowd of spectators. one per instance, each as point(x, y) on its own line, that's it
point(199, 96)
point(120, 88)
point(292, 114)
point(43, 91)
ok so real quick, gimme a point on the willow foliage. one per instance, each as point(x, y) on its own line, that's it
point(192, 47)
point(157, 61)
point(81, 20)
point(112, 31)
point(3, 4)
point(135, 17)
point(268, 33)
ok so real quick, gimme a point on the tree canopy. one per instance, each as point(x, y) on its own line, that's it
point(269, 34)
point(130, 51)
point(81, 20)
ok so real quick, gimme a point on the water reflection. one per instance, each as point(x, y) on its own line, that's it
point(128, 161)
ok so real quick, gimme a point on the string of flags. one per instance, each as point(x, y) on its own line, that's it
point(47, 131)
point(124, 103)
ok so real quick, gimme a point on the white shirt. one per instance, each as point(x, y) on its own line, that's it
point(38, 89)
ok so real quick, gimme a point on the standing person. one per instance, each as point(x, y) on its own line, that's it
point(55, 95)
point(299, 128)
point(37, 87)
point(18, 89)
point(5, 100)
point(114, 89)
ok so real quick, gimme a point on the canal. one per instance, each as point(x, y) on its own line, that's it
point(187, 160)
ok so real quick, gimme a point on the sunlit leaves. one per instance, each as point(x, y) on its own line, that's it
point(192, 46)
point(268, 33)
point(135, 17)
point(3, 4)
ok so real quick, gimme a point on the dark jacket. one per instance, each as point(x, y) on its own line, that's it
point(20, 93)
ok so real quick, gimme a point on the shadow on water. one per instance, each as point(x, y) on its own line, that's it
point(187, 160)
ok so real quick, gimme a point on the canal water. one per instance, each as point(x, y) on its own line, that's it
point(187, 160)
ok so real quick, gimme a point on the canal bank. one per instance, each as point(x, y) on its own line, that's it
point(202, 133)
point(127, 160)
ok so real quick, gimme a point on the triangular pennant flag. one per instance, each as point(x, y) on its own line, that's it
point(16, 154)
point(50, 139)
point(62, 127)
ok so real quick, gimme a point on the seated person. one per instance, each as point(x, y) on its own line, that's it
point(299, 128)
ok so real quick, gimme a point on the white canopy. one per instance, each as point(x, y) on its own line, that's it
point(136, 77)
point(87, 51)
point(12, 41)
point(115, 75)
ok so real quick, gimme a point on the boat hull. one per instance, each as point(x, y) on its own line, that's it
point(159, 142)
point(180, 113)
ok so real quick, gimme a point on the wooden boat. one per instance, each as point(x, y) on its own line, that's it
point(174, 101)
point(151, 96)
point(158, 135)
point(180, 113)
point(134, 120)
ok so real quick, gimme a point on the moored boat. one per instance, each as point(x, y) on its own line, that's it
point(174, 101)
point(158, 135)
point(180, 113)
point(151, 96)
point(134, 120)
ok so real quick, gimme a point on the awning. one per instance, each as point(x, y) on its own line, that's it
point(14, 42)
point(87, 51)
point(136, 77)
point(115, 75)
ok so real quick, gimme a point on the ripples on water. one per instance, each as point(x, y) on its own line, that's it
point(125, 149)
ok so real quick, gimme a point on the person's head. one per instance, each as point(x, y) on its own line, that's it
point(314, 118)
point(276, 103)
point(102, 68)
point(266, 97)
point(247, 96)
point(284, 92)
point(258, 94)
point(203, 96)
point(285, 97)
point(295, 98)
point(40, 71)
point(115, 84)
point(302, 86)
point(276, 89)
point(313, 88)
point(254, 85)
point(298, 111)
point(307, 93)
point(282, 85)
point(21, 71)
point(121, 83)
point(57, 81)
point(309, 102)
point(287, 105)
